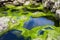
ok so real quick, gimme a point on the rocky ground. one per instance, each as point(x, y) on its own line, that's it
point(53, 5)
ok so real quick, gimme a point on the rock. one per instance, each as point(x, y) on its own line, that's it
point(21, 1)
point(3, 23)
point(57, 4)
point(49, 4)
point(58, 13)
point(15, 2)
point(53, 10)
point(2, 0)
point(27, 3)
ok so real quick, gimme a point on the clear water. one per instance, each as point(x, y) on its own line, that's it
point(33, 22)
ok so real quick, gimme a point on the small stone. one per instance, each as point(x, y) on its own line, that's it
point(15, 3)
point(27, 3)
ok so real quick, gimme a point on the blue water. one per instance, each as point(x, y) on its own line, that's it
point(41, 32)
point(12, 35)
point(33, 22)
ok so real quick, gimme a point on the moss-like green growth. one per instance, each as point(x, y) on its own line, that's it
point(21, 15)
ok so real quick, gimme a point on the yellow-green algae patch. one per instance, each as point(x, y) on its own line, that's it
point(20, 18)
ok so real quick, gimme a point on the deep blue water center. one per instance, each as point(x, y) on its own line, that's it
point(14, 35)
point(33, 22)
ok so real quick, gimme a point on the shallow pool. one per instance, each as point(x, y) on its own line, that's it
point(33, 22)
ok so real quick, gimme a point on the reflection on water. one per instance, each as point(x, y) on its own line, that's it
point(33, 22)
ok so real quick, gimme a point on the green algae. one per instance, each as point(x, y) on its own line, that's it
point(22, 18)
